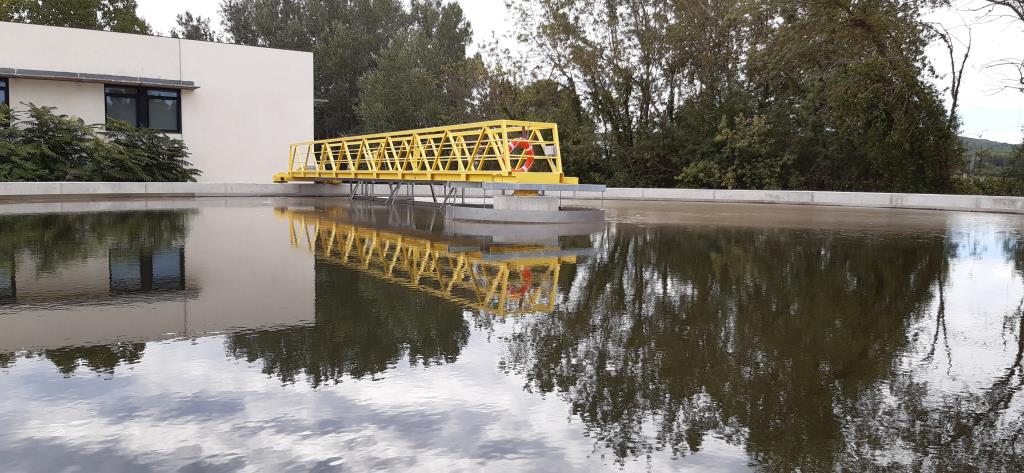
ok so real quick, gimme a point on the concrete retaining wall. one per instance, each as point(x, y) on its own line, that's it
point(59, 190)
point(18, 191)
point(969, 203)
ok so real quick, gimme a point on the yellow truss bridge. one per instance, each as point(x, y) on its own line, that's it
point(507, 282)
point(505, 151)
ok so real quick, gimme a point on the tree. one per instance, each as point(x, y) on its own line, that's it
point(838, 90)
point(1016, 9)
point(195, 28)
point(424, 77)
point(506, 92)
point(109, 15)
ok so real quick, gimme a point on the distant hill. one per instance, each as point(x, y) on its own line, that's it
point(986, 157)
point(978, 144)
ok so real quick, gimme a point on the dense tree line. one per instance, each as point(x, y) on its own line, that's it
point(777, 94)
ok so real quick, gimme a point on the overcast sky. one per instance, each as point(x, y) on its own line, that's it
point(986, 111)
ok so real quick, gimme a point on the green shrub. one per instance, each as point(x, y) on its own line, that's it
point(39, 145)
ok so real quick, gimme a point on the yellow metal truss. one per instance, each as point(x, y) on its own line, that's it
point(513, 286)
point(473, 152)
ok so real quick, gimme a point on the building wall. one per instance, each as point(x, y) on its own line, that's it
point(250, 104)
point(72, 98)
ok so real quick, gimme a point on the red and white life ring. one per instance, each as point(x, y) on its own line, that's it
point(527, 278)
point(527, 147)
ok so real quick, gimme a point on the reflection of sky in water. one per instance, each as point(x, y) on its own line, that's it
point(719, 321)
point(973, 346)
point(188, 404)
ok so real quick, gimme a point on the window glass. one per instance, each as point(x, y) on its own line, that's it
point(163, 114)
point(163, 93)
point(123, 108)
point(167, 267)
point(7, 283)
point(143, 271)
point(3, 91)
point(114, 89)
point(158, 109)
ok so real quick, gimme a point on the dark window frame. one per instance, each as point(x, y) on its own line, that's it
point(142, 98)
point(6, 85)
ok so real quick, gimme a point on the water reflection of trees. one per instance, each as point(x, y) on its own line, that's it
point(53, 240)
point(784, 341)
point(100, 358)
point(363, 326)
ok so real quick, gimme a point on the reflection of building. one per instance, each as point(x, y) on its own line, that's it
point(97, 279)
point(148, 270)
point(496, 279)
point(133, 277)
point(8, 287)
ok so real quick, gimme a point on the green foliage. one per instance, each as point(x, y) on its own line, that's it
point(506, 93)
point(378, 63)
point(109, 15)
point(836, 92)
point(746, 157)
point(424, 77)
point(194, 28)
point(140, 154)
point(39, 145)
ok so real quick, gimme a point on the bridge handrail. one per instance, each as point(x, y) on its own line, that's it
point(488, 151)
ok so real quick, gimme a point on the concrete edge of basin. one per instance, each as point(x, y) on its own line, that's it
point(20, 191)
point(23, 192)
point(945, 202)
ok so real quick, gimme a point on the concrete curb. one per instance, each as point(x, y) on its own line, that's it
point(54, 191)
point(967, 203)
point(60, 190)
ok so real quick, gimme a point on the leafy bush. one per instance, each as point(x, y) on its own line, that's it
point(40, 145)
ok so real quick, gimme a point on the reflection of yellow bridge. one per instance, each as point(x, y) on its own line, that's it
point(500, 283)
point(494, 151)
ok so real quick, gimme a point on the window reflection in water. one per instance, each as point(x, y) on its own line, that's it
point(59, 262)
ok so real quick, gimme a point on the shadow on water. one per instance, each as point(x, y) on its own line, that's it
point(784, 341)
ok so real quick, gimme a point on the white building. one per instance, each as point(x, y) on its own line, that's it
point(236, 107)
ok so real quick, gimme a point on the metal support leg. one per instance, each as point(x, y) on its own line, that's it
point(452, 194)
point(393, 195)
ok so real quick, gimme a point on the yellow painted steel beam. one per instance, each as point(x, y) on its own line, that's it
point(516, 285)
point(472, 152)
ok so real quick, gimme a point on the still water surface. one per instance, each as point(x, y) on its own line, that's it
point(286, 335)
